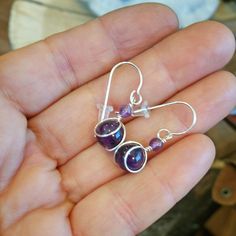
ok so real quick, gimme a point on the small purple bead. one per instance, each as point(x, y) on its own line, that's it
point(156, 144)
point(125, 111)
point(108, 127)
point(135, 160)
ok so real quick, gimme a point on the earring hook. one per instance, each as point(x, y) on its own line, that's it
point(168, 133)
point(135, 96)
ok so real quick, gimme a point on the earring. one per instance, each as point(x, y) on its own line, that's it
point(132, 156)
point(110, 132)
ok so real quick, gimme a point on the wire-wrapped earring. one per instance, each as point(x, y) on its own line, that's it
point(110, 132)
point(132, 156)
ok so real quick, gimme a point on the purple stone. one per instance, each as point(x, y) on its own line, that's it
point(125, 111)
point(120, 153)
point(107, 126)
point(113, 134)
point(135, 159)
point(156, 144)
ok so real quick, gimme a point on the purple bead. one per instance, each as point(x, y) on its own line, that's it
point(136, 158)
point(120, 153)
point(156, 144)
point(110, 133)
point(125, 111)
point(107, 126)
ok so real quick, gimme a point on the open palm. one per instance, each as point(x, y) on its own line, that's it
point(54, 178)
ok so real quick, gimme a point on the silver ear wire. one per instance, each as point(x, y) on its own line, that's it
point(168, 134)
point(135, 96)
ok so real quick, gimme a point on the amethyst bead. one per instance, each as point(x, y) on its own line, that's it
point(131, 156)
point(156, 144)
point(110, 133)
point(125, 111)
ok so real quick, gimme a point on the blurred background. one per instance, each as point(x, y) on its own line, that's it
point(209, 209)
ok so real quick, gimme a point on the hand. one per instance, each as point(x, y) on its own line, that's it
point(54, 178)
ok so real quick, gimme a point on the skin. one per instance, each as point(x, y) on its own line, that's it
point(54, 178)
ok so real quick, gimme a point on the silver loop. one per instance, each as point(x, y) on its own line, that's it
point(132, 98)
point(169, 133)
point(166, 137)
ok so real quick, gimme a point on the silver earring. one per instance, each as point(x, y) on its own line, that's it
point(110, 132)
point(132, 156)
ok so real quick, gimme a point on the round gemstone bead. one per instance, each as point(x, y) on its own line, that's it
point(156, 144)
point(125, 111)
point(107, 126)
point(131, 156)
point(110, 133)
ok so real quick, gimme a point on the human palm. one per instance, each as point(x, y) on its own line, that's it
point(54, 178)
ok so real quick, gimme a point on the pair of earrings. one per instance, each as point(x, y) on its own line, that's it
point(110, 131)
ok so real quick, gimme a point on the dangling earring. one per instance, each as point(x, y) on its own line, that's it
point(132, 156)
point(110, 132)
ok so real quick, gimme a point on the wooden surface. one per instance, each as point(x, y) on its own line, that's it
point(224, 189)
point(222, 223)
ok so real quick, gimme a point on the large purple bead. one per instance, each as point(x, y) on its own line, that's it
point(110, 133)
point(131, 156)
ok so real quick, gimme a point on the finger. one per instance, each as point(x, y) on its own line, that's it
point(46, 222)
point(131, 203)
point(37, 184)
point(212, 98)
point(38, 75)
point(12, 140)
point(167, 68)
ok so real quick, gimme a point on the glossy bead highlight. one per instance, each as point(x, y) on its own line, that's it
point(110, 133)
